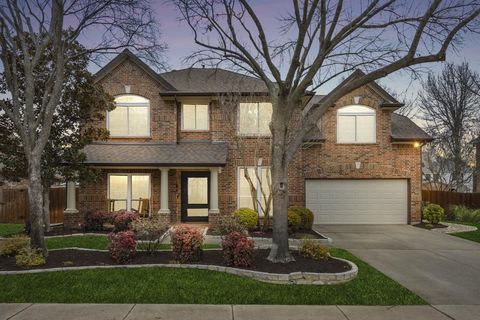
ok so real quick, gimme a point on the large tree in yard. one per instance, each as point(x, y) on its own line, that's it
point(30, 29)
point(316, 42)
point(82, 101)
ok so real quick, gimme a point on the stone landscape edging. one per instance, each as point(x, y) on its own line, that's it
point(299, 277)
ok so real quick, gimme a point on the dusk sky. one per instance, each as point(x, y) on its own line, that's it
point(177, 35)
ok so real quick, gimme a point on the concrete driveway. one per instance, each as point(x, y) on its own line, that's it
point(440, 268)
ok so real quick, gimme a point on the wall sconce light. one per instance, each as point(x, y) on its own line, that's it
point(416, 144)
point(358, 164)
point(127, 88)
point(356, 99)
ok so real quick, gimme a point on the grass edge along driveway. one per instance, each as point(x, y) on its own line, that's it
point(169, 285)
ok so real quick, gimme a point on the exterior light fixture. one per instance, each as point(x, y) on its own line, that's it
point(356, 99)
point(358, 164)
point(127, 88)
point(416, 144)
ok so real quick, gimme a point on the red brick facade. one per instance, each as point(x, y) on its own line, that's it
point(326, 160)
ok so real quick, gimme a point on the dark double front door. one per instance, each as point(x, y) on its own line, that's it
point(195, 196)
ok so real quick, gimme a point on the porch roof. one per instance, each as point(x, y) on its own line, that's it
point(188, 154)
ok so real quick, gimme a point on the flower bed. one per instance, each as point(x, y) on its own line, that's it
point(302, 271)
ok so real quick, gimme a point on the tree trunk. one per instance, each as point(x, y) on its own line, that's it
point(46, 208)
point(35, 198)
point(280, 251)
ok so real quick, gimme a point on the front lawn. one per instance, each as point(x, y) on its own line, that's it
point(472, 235)
point(8, 229)
point(166, 285)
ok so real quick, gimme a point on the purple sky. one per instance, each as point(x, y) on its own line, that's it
point(179, 39)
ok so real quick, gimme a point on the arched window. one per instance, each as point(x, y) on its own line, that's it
point(130, 118)
point(356, 124)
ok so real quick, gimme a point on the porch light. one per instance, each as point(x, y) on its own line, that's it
point(358, 164)
point(416, 144)
point(356, 99)
point(127, 88)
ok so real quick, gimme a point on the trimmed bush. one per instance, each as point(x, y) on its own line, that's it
point(122, 220)
point(95, 219)
point(294, 221)
point(149, 231)
point(29, 258)
point(238, 250)
point(314, 250)
point(229, 224)
point(306, 216)
point(433, 213)
point(248, 217)
point(13, 245)
point(464, 214)
point(186, 243)
point(123, 246)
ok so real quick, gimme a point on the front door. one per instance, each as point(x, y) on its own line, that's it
point(195, 195)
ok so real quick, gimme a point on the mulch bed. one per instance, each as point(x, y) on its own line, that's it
point(428, 226)
point(304, 234)
point(76, 258)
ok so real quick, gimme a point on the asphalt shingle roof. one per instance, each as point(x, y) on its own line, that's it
point(153, 154)
point(404, 129)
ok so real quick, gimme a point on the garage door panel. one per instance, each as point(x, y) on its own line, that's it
point(379, 201)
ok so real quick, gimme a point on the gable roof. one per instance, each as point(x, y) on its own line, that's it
point(204, 81)
point(128, 55)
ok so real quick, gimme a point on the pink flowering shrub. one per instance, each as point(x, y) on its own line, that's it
point(237, 250)
point(95, 219)
point(122, 220)
point(123, 246)
point(186, 243)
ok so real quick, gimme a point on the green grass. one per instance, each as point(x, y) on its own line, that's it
point(166, 285)
point(99, 242)
point(8, 229)
point(472, 235)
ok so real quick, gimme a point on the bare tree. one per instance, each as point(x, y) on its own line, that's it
point(27, 30)
point(319, 41)
point(450, 109)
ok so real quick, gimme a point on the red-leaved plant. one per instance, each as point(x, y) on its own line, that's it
point(95, 219)
point(123, 246)
point(186, 243)
point(122, 220)
point(238, 250)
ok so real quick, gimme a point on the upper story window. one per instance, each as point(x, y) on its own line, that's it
point(356, 124)
point(130, 118)
point(195, 117)
point(255, 118)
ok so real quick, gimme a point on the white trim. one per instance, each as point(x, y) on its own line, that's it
point(129, 187)
point(356, 115)
point(132, 105)
point(182, 128)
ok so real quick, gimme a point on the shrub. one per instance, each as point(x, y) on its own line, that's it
point(229, 224)
point(13, 245)
point(122, 246)
point(247, 217)
point(433, 213)
point(149, 230)
point(314, 250)
point(306, 216)
point(294, 221)
point(29, 257)
point(464, 214)
point(95, 219)
point(186, 243)
point(122, 220)
point(237, 250)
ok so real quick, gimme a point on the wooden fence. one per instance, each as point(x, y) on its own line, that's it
point(14, 208)
point(448, 199)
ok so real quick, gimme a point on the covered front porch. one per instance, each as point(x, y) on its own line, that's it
point(153, 183)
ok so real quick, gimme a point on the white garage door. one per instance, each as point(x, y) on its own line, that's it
point(358, 201)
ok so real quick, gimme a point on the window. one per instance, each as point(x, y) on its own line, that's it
point(356, 124)
point(245, 199)
point(130, 118)
point(254, 118)
point(126, 190)
point(195, 117)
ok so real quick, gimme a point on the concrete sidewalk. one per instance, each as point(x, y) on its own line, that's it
point(235, 312)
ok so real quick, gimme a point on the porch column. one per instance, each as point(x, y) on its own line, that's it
point(71, 203)
point(164, 191)
point(214, 191)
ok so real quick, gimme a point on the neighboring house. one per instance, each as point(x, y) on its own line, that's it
point(171, 145)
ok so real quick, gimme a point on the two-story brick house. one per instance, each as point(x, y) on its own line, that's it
point(173, 145)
